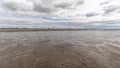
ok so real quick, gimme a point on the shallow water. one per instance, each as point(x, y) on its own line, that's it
point(60, 49)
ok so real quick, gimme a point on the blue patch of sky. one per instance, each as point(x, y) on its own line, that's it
point(38, 17)
point(54, 19)
point(44, 18)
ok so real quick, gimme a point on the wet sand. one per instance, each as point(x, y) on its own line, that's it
point(60, 49)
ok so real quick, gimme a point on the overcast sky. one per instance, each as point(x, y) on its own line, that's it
point(43, 13)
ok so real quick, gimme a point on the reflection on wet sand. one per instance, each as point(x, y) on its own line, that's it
point(60, 49)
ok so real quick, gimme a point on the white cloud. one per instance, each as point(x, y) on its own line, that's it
point(17, 5)
point(76, 10)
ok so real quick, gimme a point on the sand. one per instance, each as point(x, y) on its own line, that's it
point(60, 49)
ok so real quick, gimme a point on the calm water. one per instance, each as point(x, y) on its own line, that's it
point(60, 49)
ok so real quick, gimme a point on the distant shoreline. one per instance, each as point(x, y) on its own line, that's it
point(43, 29)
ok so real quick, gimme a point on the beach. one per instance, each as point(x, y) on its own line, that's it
point(60, 49)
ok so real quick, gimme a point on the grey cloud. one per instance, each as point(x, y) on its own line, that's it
point(118, 11)
point(47, 2)
point(68, 5)
point(91, 14)
point(16, 5)
point(63, 5)
point(105, 3)
point(42, 9)
point(21, 6)
point(41, 6)
point(80, 2)
point(10, 5)
point(110, 9)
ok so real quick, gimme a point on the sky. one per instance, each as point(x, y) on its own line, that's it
point(59, 13)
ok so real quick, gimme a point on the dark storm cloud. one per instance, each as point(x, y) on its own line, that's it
point(91, 14)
